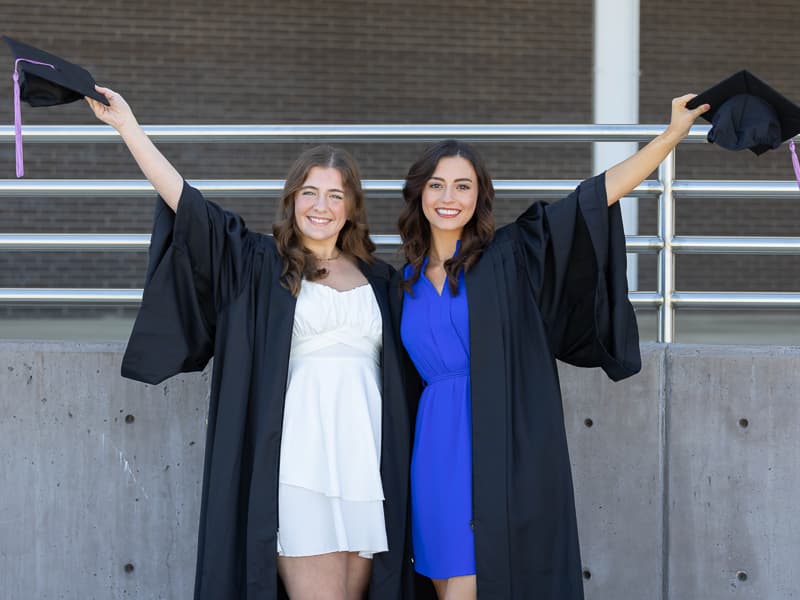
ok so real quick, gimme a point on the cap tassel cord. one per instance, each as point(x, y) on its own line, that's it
point(795, 162)
point(17, 126)
point(18, 115)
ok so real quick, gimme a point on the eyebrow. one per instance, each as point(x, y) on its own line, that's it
point(313, 187)
point(459, 179)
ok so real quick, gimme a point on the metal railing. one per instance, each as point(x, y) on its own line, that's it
point(666, 244)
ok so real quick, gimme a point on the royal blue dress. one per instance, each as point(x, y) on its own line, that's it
point(435, 332)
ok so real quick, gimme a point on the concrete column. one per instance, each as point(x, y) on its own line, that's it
point(616, 94)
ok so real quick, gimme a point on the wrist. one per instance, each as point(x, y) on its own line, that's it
point(129, 127)
point(672, 137)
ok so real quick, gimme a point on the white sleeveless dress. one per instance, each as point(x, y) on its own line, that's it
point(330, 496)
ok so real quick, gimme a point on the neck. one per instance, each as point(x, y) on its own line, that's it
point(322, 249)
point(443, 244)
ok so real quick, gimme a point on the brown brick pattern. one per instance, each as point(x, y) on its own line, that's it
point(686, 50)
point(381, 62)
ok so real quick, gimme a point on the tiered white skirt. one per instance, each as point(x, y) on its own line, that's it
point(330, 497)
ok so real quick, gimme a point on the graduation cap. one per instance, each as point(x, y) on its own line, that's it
point(44, 79)
point(747, 113)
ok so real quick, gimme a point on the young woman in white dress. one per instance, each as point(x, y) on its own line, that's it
point(330, 495)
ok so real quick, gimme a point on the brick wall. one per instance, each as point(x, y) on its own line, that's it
point(683, 49)
point(380, 62)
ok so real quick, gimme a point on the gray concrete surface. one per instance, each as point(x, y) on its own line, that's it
point(97, 473)
point(734, 473)
point(615, 437)
point(678, 498)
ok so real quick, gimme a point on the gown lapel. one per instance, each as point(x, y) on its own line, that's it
point(490, 425)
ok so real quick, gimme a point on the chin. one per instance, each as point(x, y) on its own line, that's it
point(448, 226)
point(317, 237)
point(320, 236)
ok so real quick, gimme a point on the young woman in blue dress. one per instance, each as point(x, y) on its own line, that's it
point(483, 314)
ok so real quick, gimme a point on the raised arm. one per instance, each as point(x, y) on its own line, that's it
point(158, 170)
point(625, 176)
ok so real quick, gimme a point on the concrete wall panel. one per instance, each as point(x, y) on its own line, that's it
point(99, 473)
point(733, 456)
point(100, 476)
point(614, 432)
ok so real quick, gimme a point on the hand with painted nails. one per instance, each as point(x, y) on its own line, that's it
point(119, 115)
point(683, 118)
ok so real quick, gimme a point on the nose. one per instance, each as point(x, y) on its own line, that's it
point(447, 194)
point(321, 202)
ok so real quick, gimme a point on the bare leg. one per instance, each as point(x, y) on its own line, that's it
point(358, 572)
point(440, 585)
point(461, 588)
point(333, 576)
point(320, 577)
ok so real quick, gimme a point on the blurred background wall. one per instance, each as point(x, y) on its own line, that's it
point(313, 62)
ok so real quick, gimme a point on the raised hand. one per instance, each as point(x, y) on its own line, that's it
point(625, 176)
point(119, 115)
point(683, 118)
point(158, 170)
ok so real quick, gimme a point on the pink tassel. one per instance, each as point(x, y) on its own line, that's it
point(18, 126)
point(18, 112)
point(795, 162)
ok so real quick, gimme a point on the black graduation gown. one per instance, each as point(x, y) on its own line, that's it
point(550, 285)
point(212, 289)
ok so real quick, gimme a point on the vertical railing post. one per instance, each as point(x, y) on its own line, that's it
point(666, 258)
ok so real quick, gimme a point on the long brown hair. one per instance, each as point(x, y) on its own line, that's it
point(415, 230)
point(298, 261)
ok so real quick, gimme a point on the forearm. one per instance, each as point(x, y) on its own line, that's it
point(623, 177)
point(155, 167)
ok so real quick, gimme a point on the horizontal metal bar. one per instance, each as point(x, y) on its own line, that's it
point(51, 242)
point(645, 299)
point(735, 189)
point(264, 188)
point(386, 240)
point(558, 188)
point(698, 300)
point(546, 188)
point(133, 296)
point(736, 300)
point(353, 133)
point(735, 245)
point(74, 241)
point(69, 296)
point(135, 187)
point(643, 244)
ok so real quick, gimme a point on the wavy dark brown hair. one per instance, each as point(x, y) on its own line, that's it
point(298, 261)
point(415, 230)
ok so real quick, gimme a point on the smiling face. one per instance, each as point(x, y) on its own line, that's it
point(320, 208)
point(450, 195)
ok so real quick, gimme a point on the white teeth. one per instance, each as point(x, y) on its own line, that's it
point(449, 212)
point(319, 221)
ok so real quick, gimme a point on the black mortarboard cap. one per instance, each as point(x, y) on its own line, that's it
point(44, 79)
point(747, 113)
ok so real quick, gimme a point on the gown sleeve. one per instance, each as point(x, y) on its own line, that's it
point(195, 263)
point(574, 258)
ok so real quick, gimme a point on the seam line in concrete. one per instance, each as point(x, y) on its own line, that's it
point(664, 443)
